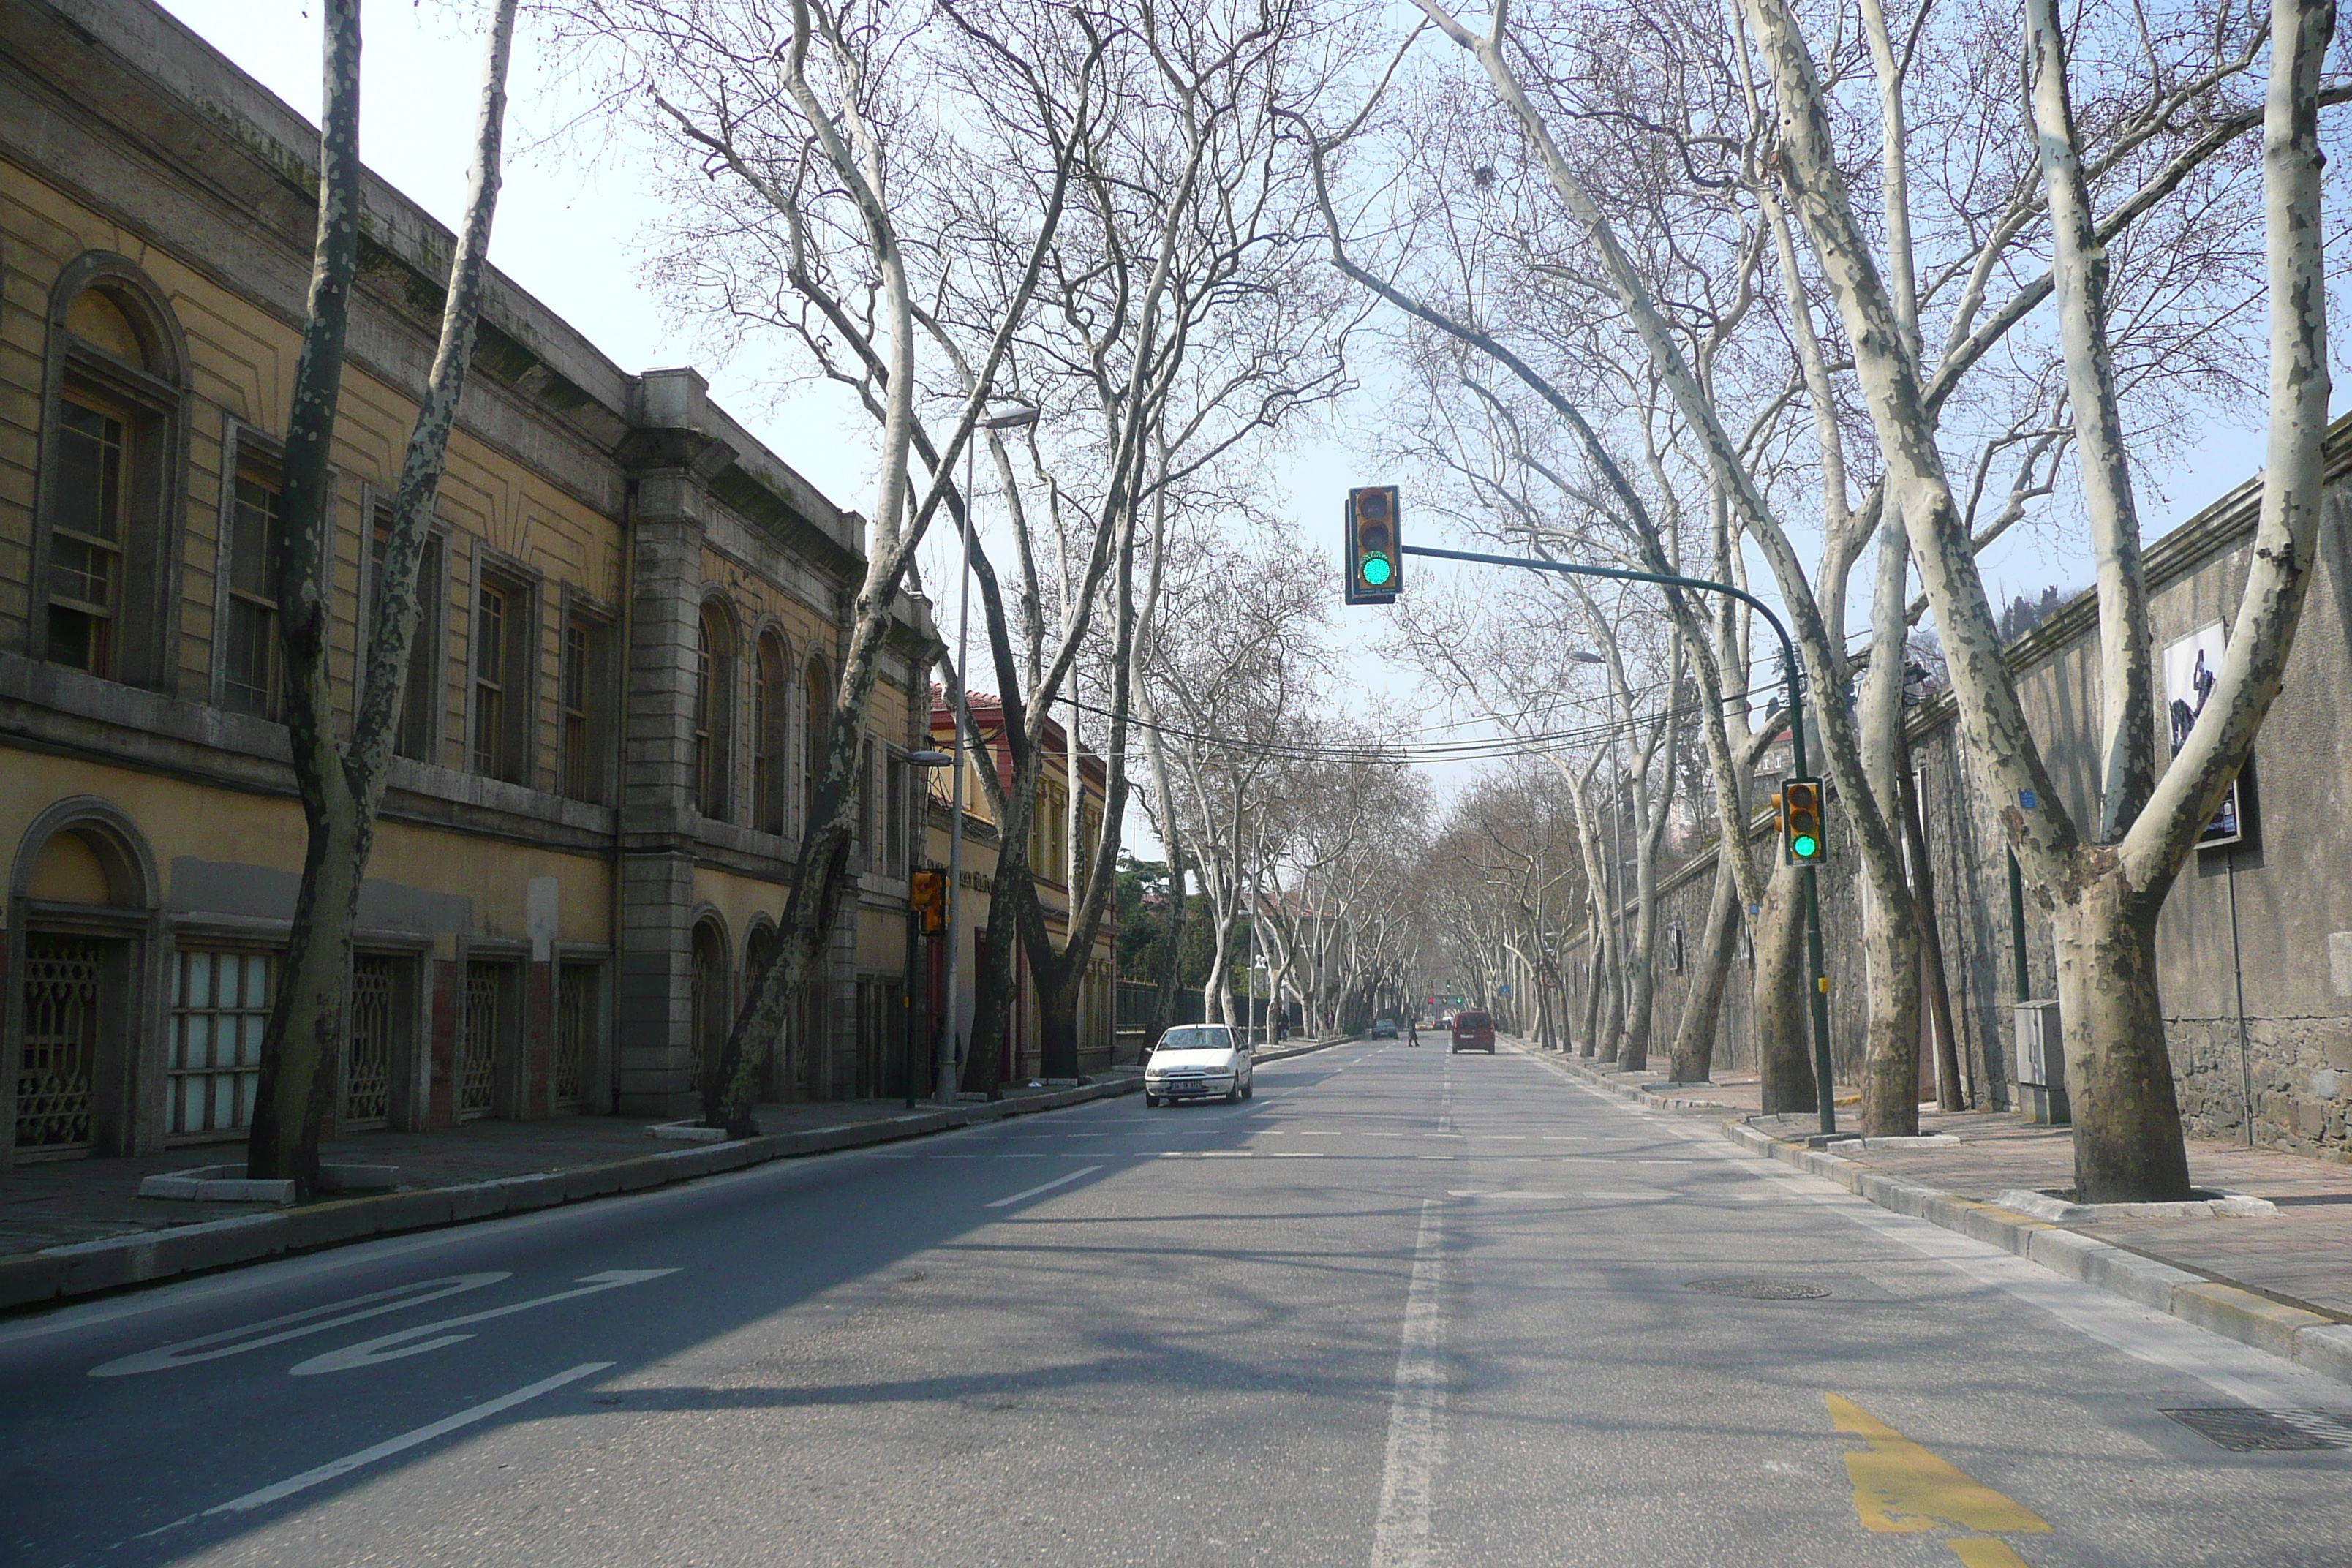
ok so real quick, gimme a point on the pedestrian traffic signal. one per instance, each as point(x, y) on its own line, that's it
point(1801, 822)
point(1370, 554)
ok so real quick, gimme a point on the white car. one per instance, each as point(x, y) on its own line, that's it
point(1199, 1061)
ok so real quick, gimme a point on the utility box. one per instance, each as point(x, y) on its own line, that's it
point(2041, 1065)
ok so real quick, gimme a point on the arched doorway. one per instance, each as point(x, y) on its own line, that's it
point(80, 935)
point(712, 1010)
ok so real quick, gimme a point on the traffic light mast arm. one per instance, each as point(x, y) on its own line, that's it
point(1822, 1087)
point(1789, 666)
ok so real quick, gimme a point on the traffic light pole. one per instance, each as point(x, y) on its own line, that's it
point(1822, 1086)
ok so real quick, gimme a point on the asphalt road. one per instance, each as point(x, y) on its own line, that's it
point(1402, 1309)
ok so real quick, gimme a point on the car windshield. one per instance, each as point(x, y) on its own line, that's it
point(1386, 1024)
point(1216, 1039)
point(1470, 1021)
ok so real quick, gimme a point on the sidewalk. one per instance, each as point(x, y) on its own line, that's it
point(69, 1227)
point(2283, 1282)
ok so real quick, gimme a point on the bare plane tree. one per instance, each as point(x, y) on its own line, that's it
point(342, 785)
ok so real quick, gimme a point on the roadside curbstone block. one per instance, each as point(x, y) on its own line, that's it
point(2143, 1279)
point(325, 1224)
point(2064, 1252)
point(33, 1277)
point(2325, 1349)
point(2243, 1316)
point(479, 1200)
point(591, 1181)
point(420, 1210)
point(520, 1194)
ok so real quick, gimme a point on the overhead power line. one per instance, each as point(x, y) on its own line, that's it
point(1478, 749)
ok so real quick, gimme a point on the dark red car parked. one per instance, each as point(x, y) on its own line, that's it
point(1473, 1030)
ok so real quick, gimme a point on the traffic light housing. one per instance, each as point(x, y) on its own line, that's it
point(1371, 554)
point(929, 897)
point(1801, 839)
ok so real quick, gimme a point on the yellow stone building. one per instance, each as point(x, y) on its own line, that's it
point(632, 610)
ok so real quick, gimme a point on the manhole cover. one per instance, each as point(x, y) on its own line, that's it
point(1755, 1289)
point(2244, 1431)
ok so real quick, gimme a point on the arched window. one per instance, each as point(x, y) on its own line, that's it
point(816, 719)
point(772, 713)
point(112, 438)
point(714, 697)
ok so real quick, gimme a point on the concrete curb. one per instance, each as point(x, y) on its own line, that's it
point(84, 1269)
point(2311, 1340)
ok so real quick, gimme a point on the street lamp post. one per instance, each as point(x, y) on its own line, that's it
point(951, 1039)
point(1824, 1090)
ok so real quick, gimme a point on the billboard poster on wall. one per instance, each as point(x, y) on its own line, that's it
point(2191, 665)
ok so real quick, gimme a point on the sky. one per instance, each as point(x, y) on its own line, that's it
point(573, 231)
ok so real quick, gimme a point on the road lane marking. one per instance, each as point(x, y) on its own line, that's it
point(1901, 1488)
point(406, 1440)
point(1294, 1155)
point(412, 1342)
point(1400, 1534)
point(1984, 1551)
point(1046, 1186)
point(212, 1347)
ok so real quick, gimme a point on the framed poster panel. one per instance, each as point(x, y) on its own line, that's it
point(2192, 664)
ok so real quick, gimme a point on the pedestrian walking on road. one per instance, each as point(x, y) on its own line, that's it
point(1411, 1030)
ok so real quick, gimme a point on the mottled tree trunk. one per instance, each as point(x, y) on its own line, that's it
point(2128, 1138)
point(1783, 1053)
point(1890, 1067)
point(1693, 1053)
point(1949, 1093)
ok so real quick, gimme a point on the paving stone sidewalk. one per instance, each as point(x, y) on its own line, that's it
point(2303, 1257)
point(58, 1203)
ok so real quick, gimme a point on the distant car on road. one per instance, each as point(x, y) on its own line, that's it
point(1199, 1061)
point(1473, 1030)
point(1384, 1029)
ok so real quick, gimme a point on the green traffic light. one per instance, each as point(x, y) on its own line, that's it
point(1375, 570)
point(1804, 845)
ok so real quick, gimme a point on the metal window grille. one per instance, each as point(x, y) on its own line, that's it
point(367, 1074)
point(61, 1002)
point(220, 1005)
point(478, 1055)
point(575, 1025)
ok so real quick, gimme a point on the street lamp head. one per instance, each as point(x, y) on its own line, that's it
point(1579, 656)
point(1014, 417)
point(932, 759)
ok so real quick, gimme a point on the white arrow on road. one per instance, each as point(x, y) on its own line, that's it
point(296, 1325)
point(412, 1342)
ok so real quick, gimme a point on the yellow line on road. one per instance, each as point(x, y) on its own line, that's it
point(1984, 1551)
point(1899, 1488)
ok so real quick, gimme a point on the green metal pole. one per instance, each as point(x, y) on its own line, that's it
point(1824, 1088)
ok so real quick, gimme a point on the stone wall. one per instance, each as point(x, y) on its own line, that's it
point(2256, 940)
